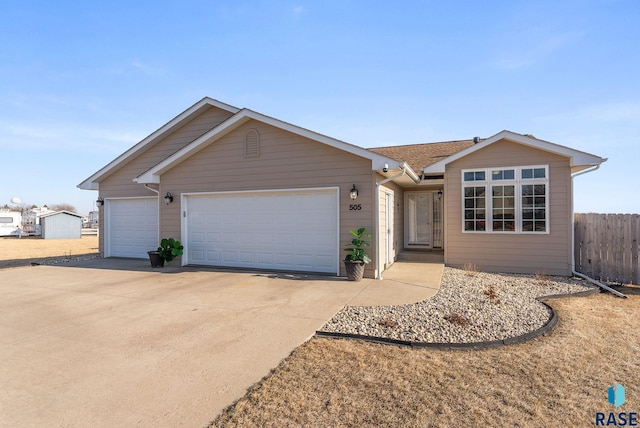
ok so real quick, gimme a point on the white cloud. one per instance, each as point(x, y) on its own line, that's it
point(613, 112)
point(65, 137)
point(612, 128)
point(147, 69)
point(538, 53)
point(618, 115)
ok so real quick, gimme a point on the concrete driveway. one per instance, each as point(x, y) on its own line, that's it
point(111, 342)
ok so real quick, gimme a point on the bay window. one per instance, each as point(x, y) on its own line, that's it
point(506, 200)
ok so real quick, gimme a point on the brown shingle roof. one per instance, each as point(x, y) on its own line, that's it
point(419, 156)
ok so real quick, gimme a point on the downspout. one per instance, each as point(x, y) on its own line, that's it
point(157, 192)
point(573, 243)
point(377, 205)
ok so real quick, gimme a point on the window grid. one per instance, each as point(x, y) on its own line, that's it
point(502, 174)
point(474, 208)
point(504, 208)
point(506, 200)
point(534, 218)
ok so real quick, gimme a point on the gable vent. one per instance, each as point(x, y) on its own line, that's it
point(252, 144)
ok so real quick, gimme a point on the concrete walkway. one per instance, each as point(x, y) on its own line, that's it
point(405, 282)
point(115, 343)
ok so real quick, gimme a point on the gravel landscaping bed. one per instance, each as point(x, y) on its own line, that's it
point(470, 307)
point(65, 259)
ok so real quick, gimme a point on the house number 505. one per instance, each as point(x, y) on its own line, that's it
point(355, 207)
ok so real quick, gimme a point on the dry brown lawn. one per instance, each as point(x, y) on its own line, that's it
point(555, 381)
point(558, 380)
point(21, 252)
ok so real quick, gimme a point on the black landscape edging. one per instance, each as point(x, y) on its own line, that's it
point(468, 346)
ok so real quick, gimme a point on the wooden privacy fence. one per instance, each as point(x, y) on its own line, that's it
point(606, 247)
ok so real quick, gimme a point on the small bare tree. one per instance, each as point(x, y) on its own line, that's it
point(63, 207)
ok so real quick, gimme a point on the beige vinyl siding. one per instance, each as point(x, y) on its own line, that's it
point(507, 252)
point(286, 161)
point(120, 182)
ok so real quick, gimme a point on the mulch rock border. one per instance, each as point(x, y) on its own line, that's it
point(468, 346)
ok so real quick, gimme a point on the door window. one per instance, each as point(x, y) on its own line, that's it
point(418, 209)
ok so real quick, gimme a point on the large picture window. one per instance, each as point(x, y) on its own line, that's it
point(506, 200)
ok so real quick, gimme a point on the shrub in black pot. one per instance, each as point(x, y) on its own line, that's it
point(168, 250)
point(356, 258)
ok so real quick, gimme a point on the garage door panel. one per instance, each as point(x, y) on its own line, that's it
point(214, 255)
point(293, 230)
point(214, 237)
point(197, 238)
point(247, 258)
point(284, 259)
point(263, 220)
point(324, 241)
point(265, 238)
point(303, 259)
point(230, 256)
point(229, 238)
point(131, 227)
point(285, 238)
point(324, 261)
point(264, 258)
point(245, 238)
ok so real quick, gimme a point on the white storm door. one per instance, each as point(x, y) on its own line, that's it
point(279, 230)
point(389, 227)
point(131, 227)
point(418, 225)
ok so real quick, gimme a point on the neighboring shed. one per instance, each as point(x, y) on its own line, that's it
point(61, 225)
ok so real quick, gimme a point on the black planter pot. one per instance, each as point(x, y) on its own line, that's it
point(155, 259)
point(355, 270)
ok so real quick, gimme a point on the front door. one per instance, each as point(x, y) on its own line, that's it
point(389, 227)
point(418, 220)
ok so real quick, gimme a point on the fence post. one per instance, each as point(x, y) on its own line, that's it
point(635, 237)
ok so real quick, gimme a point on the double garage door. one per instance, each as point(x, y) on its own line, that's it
point(283, 230)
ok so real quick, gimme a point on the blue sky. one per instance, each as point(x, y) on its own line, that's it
point(81, 82)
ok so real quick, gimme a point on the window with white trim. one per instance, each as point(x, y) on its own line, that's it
point(506, 200)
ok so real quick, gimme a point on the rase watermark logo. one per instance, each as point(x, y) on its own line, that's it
point(615, 394)
point(616, 397)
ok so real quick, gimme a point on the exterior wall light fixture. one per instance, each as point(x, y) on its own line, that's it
point(440, 194)
point(168, 198)
point(354, 192)
point(100, 201)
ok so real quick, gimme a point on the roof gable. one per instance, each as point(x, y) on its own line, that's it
point(430, 158)
point(419, 156)
point(152, 175)
point(578, 160)
point(63, 212)
point(92, 183)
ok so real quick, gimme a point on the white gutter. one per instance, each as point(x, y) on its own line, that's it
point(157, 192)
point(573, 239)
point(377, 213)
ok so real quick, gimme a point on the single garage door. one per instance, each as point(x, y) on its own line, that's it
point(131, 227)
point(282, 230)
